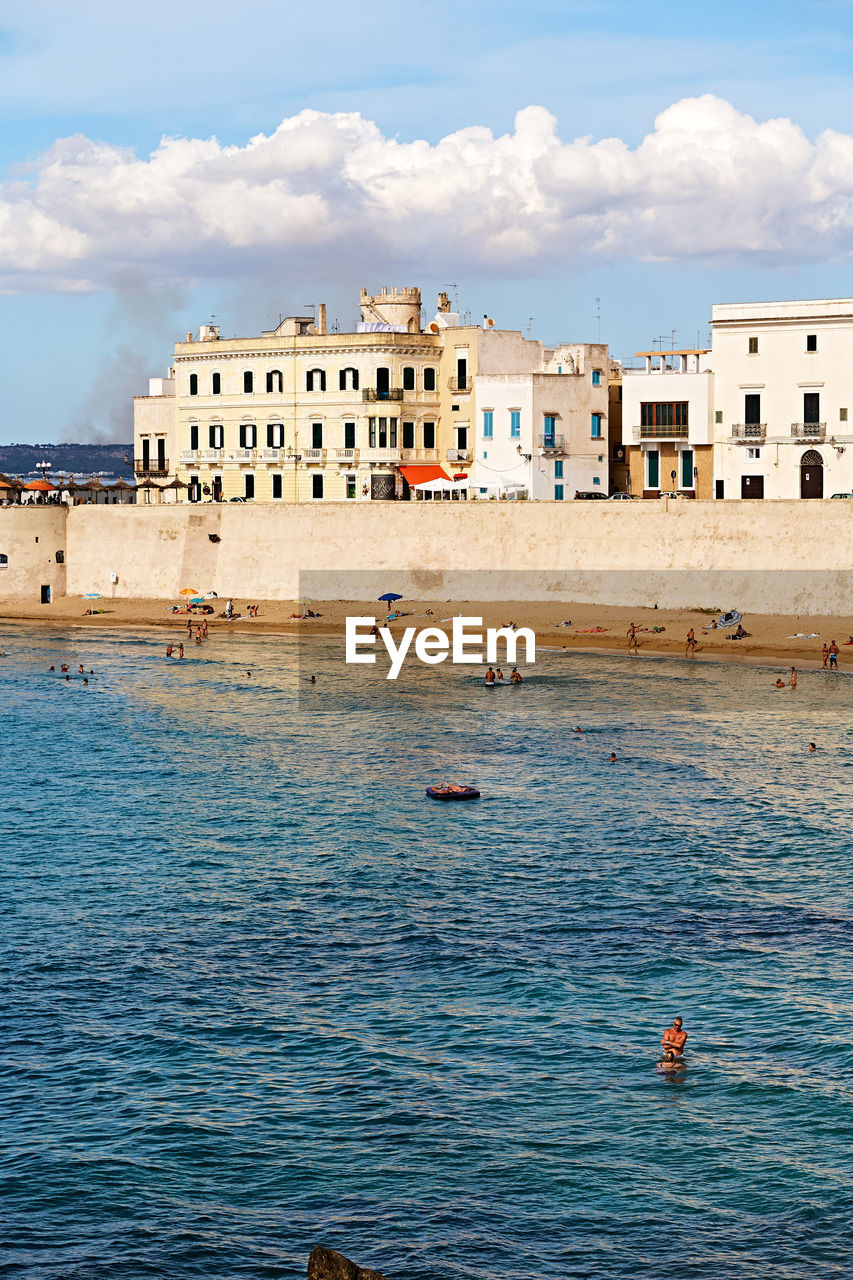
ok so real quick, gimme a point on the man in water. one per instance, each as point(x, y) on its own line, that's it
point(490, 676)
point(674, 1038)
point(515, 676)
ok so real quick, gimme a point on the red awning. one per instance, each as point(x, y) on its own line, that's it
point(420, 475)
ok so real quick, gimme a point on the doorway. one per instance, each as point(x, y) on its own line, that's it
point(45, 595)
point(752, 486)
point(811, 474)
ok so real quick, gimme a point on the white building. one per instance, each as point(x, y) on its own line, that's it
point(783, 390)
point(542, 434)
point(667, 424)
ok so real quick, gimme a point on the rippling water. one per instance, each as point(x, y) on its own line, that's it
point(259, 993)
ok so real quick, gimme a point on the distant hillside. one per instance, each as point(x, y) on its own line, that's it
point(88, 459)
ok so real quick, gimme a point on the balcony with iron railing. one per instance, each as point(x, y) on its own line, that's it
point(552, 443)
point(460, 384)
point(749, 430)
point(808, 430)
point(373, 393)
point(658, 432)
point(151, 466)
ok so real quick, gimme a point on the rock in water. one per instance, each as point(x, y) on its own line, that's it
point(327, 1264)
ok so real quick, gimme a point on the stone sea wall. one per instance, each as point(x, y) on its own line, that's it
point(765, 557)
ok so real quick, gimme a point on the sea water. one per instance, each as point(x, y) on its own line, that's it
point(260, 993)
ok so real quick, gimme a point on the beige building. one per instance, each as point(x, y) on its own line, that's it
point(301, 414)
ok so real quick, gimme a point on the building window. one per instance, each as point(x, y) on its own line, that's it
point(275, 435)
point(842, 415)
point(429, 379)
point(811, 342)
point(275, 382)
point(752, 346)
point(718, 416)
point(4, 561)
point(408, 435)
point(596, 377)
point(276, 486)
point(215, 435)
point(596, 426)
point(348, 379)
point(558, 492)
point(429, 435)
point(408, 378)
point(488, 424)
point(382, 433)
point(752, 409)
point(687, 469)
point(193, 384)
point(316, 486)
point(194, 492)
point(248, 435)
point(596, 480)
point(316, 435)
point(753, 452)
point(350, 486)
point(652, 469)
point(248, 382)
point(811, 406)
point(558, 470)
point(315, 380)
point(462, 439)
point(349, 435)
point(668, 413)
point(515, 424)
point(550, 429)
point(193, 435)
point(249, 486)
point(216, 384)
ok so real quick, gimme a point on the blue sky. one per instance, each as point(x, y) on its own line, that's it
point(106, 257)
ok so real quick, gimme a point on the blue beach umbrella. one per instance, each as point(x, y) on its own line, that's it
point(92, 595)
point(390, 595)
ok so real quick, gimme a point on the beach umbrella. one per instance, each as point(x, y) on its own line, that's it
point(188, 591)
point(41, 486)
point(92, 595)
point(390, 595)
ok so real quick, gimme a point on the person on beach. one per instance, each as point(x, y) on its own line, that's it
point(198, 635)
point(674, 1037)
point(633, 643)
point(204, 628)
point(490, 676)
point(833, 656)
point(578, 729)
point(313, 680)
point(825, 654)
point(812, 746)
point(80, 669)
point(780, 684)
point(499, 675)
point(691, 643)
point(515, 676)
point(170, 649)
point(793, 681)
point(189, 628)
point(180, 650)
point(612, 757)
point(64, 667)
point(670, 1061)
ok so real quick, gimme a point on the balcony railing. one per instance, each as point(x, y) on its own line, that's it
point(373, 393)
point(458, 455)
point(345, 455)
point(243, 455)
point(270, 455)
point(749, 430)
point(460, 384)
point(381, 454)
point(151, 466)
point(313, 455)
point(210, 455)
point(808, 430)
point(552, 444)
point(420, 455)
point(190, 455)
point(660, 433)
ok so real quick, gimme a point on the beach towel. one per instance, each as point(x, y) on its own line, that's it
point(810, 635)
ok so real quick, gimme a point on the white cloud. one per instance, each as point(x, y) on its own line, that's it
point(708, 183)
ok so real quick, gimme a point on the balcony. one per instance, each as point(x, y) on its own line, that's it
point(660, 433)
point(313, 455)
point(420, 455)
point(345, 455)
point(749, 430)
point(808, 430)
point(210, 455)
point(190, 455)
point(380, 455)
point(552, 444)
point(242, 455)
point(458, 455)
point(149, 467)
point(373, 393)
point(460, 384)
point(270, 455)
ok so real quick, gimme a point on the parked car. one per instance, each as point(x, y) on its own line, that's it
point(238, 499)
point(589, 493)
point(842, 495)
point(621, 497)
point(667, 493)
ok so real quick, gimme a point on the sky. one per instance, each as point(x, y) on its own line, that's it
point(166, 163)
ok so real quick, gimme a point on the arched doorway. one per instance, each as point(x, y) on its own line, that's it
point(811, 474)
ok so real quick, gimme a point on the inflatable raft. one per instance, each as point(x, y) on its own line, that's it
point(453, 793)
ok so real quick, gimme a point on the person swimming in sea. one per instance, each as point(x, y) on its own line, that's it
point(515, 676)
point(490, 676)
point(671, 1061)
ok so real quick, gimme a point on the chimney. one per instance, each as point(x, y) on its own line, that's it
point(321, 318)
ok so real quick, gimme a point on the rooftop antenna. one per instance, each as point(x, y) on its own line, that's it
point(455, 288)
point(598, 317)
point(529, 323)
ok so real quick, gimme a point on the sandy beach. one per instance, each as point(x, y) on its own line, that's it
point(598, 628)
